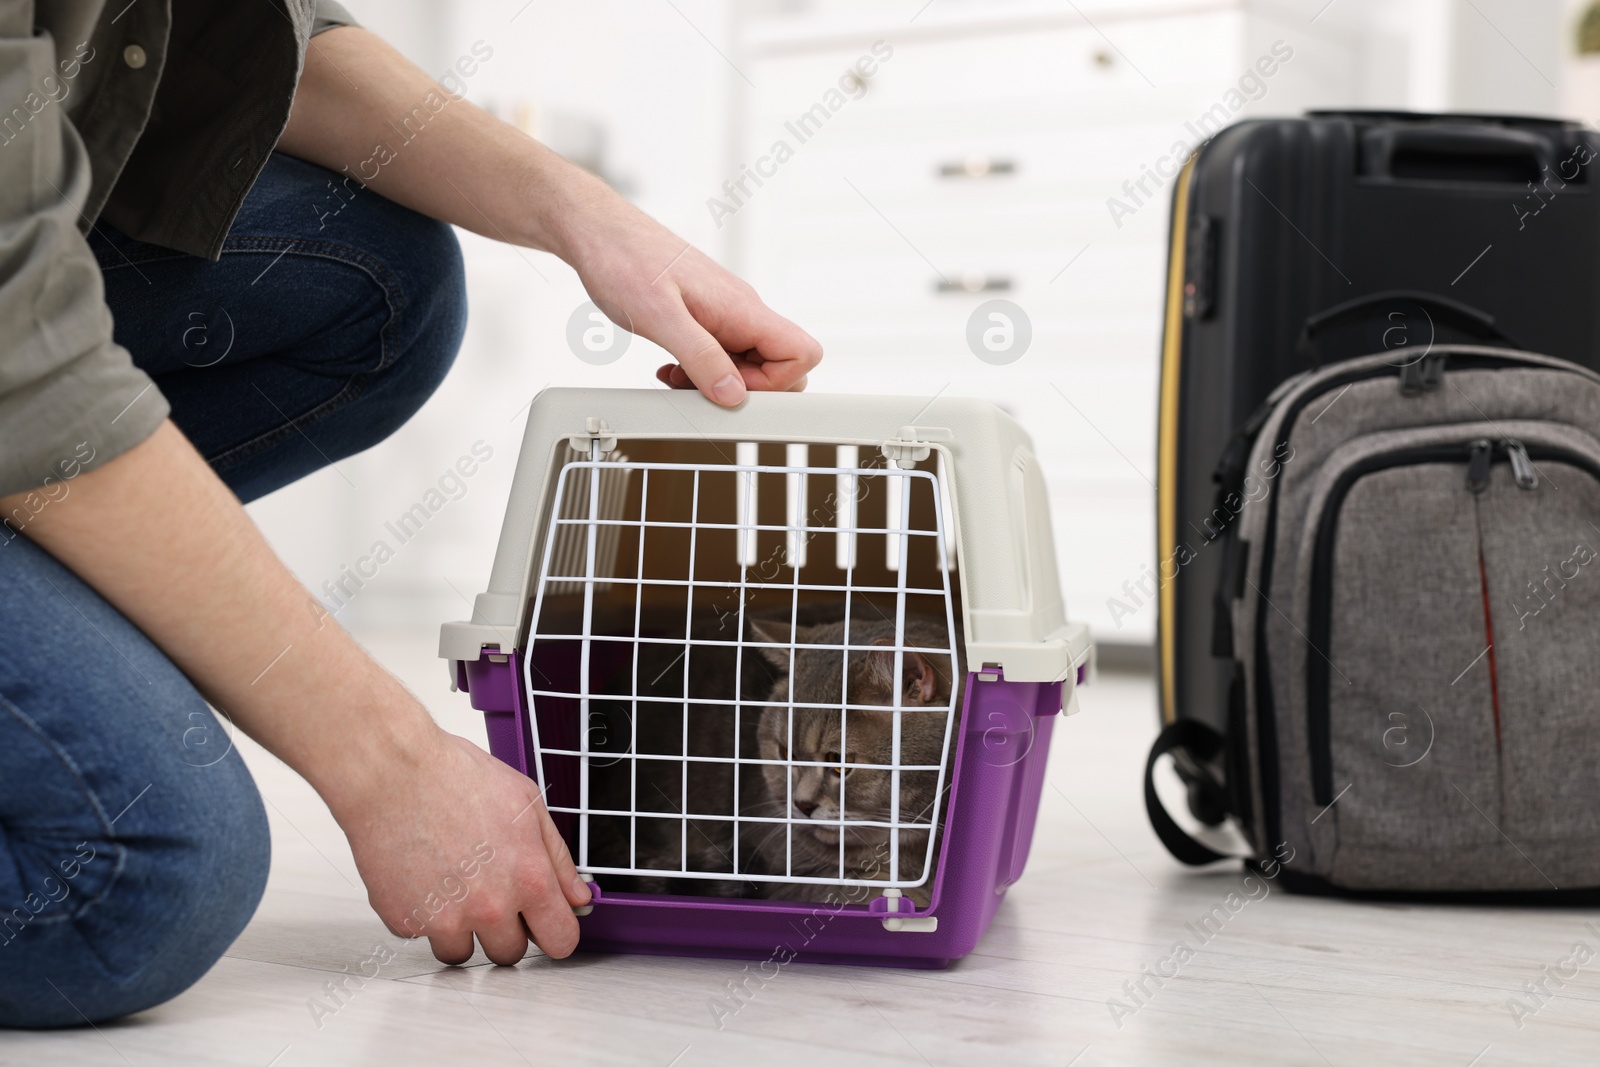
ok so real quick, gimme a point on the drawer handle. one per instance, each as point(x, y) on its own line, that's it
point(977, 165)
point(973, 282)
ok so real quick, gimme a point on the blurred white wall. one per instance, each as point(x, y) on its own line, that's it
point(650, 94)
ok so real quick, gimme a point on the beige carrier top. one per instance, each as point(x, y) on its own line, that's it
point(993, 489)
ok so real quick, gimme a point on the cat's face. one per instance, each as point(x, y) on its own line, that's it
point(845, 777)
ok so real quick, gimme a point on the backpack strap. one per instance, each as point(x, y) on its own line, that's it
point(1202, 743)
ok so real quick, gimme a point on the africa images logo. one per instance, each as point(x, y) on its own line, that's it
point(594, 338)
point(999, 332)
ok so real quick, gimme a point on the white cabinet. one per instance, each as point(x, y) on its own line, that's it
point(976, 162)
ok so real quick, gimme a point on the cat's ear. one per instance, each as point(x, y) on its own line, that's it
point(769, 634)
point(921, 680)
point(917, 675)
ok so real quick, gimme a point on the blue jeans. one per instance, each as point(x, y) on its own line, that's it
point(133, 843)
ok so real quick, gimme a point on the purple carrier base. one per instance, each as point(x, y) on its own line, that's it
point(995, 788)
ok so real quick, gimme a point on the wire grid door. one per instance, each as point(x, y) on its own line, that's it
point(589, 479)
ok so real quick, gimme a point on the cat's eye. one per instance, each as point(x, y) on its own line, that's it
point(838, 765)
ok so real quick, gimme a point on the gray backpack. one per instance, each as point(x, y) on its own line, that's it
point(1413, 587)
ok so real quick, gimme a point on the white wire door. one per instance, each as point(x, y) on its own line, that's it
point(662, 637)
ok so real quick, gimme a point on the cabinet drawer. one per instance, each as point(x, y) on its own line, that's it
point(990, 69)
point(1043, 157)
point(870, 270)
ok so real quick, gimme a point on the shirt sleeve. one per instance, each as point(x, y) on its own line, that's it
point(70, 398)
point(330, 14)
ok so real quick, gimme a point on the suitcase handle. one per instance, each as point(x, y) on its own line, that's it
point(1463, 316)
point(1465, 153)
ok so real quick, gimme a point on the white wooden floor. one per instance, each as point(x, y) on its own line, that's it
point(1287, 980)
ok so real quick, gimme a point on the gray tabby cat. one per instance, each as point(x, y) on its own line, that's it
point(809, 844)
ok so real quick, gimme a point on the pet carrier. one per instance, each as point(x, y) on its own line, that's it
point(787, 674)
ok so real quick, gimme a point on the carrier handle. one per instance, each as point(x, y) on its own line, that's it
point(1463, 316)
point(1203, 743)
point(1382, 144)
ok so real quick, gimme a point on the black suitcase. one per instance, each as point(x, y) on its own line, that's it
point(1296, 242)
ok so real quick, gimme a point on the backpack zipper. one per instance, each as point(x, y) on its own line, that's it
point(1480, 456)
point(1522, 469)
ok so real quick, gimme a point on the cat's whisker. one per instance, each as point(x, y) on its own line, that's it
point(771, 807)
point(767, 859)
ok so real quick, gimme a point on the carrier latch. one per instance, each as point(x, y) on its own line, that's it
point(914, 443)
point(920, 924)
point(595, 431)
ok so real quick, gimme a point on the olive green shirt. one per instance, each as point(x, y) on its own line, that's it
point(156, 116)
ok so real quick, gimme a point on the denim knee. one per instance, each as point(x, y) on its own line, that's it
point(424, 288)
point(428, 321)
point(133, 843)
point(179, 893)
point(326, 333)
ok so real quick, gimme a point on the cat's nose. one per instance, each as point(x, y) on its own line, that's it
point(806, 807)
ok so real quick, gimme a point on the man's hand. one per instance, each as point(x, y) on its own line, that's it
point(651, 282)
point(462, 845)
point(469, 168)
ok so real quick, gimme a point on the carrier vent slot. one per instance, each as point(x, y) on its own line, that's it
point(847, 458)
point(794, 495)
point(748, 455)
point(571, 542)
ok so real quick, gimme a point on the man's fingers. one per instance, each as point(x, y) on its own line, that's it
point(704, 360)
point(504, 939)
point(674, 377)
point(550, 921)
point(770, 352)
point(452, 947)
point(787, 352)
point(573, 887)
point(554, 931)
point(775, 352)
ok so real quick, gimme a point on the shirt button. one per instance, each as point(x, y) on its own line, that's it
point(134, 56)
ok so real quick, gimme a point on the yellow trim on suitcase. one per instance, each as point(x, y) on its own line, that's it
point(1167, 444)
